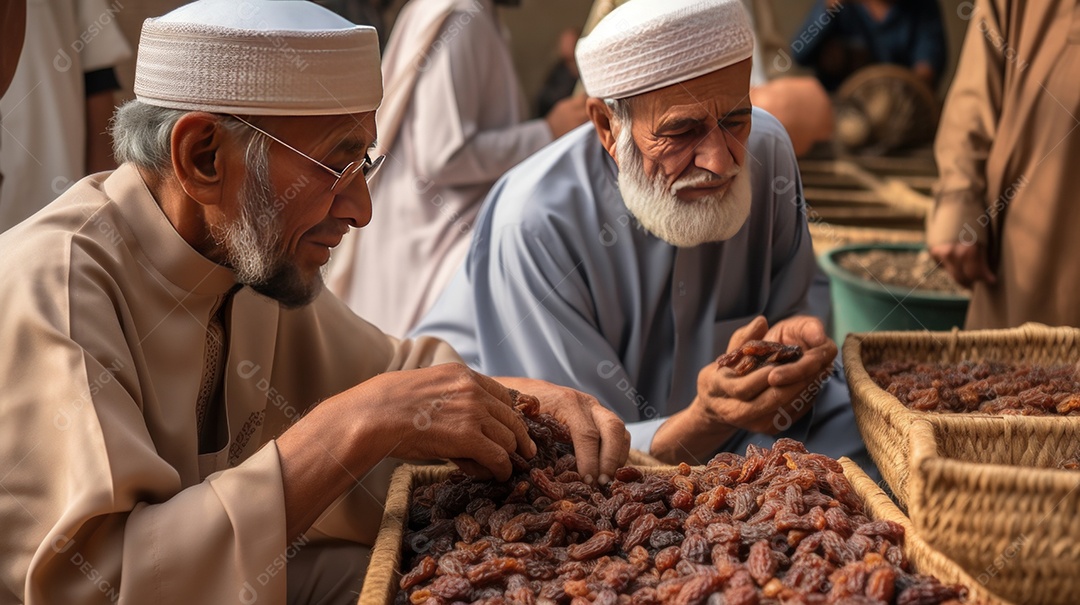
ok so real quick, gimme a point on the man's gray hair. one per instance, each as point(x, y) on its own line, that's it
point(142, 135)
point(620, 110)
point(620, 113)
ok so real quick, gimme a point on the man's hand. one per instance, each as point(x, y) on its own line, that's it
point(443, 411)
point(446, 411)
point(768, 399)
point(601, 441)
point(567, 115)
point(966, 263)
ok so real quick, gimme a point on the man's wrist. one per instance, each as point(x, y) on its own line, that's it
point(691, 435)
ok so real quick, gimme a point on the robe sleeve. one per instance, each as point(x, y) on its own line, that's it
point(357, 515)
point(541, 320)
point(968, 127)
point(92, 512)
point(450, 106)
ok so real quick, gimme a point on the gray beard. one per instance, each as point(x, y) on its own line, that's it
point(253, 246)
point(654, 204)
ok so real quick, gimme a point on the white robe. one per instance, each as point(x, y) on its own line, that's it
point(104, 493)
point(460, 130)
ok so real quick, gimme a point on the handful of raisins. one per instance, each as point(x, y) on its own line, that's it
point(755, 354)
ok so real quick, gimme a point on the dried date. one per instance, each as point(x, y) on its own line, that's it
point(600, 543)
point(755, 354)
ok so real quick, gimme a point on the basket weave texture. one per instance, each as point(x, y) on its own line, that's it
point(885, 423)
point(1012, 521)
point(381, 583)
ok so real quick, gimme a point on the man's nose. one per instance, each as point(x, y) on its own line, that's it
point(353, 203)
point(719, 152)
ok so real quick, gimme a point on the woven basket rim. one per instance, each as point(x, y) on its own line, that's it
point(928, 459)
point(884, 421)
point(1034, 514)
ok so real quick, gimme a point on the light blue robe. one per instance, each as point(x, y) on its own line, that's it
point(561, 283)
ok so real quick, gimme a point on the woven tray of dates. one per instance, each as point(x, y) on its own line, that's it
point(991, 389)
point(777, 525)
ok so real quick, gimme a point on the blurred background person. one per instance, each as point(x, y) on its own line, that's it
point(1005, 208)
point(57, 110)
point(838, 37)
point(450, 126)
point(563, 77)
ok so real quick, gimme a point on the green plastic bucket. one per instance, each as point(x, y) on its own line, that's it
point(861, 305)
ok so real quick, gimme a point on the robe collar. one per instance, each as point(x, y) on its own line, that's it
point(166, 250)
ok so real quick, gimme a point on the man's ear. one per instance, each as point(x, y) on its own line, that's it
point(197, 158)
point(600, 114)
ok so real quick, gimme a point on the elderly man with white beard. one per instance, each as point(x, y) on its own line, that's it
point(625, 257)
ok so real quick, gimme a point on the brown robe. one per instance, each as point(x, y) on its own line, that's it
point(103, 314)
point(1008, 150)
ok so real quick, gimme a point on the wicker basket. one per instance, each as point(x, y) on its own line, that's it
point(381, 583)
point(885, 422)
point(922, 557)
point(640, 458)
point(1014, 526)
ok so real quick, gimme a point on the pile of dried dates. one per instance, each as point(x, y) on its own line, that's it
point(755, 354)
point(987, 387)
point(775, 526)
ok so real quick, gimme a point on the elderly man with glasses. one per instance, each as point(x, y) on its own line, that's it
point(187, 416)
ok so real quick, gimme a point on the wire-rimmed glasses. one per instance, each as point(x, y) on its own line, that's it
point(367, 166)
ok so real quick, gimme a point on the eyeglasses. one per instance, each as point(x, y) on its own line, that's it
point(367, 166)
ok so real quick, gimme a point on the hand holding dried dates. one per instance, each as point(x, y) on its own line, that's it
point(755, 354)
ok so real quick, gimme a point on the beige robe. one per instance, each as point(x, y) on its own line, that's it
point(1007, 151)
point(451, 125)
point(104, 494)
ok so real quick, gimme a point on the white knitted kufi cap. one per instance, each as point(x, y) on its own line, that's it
point(645, 45)
point(258, 57)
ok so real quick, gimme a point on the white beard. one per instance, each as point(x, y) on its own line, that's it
point(711, 218)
